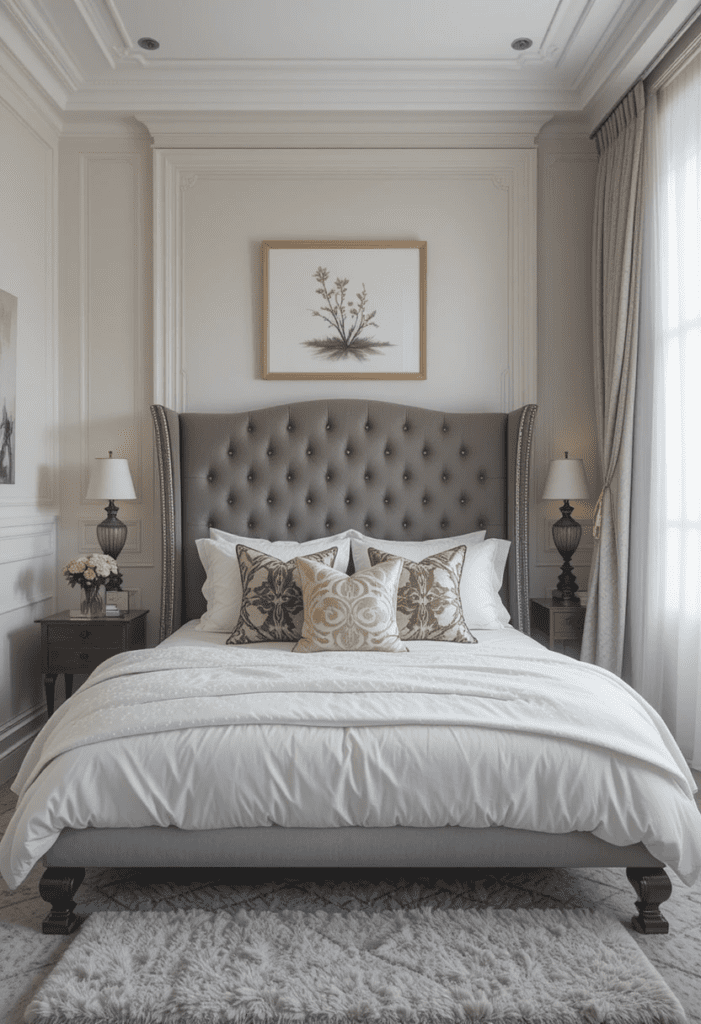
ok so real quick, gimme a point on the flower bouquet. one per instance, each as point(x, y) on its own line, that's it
point(91, 573)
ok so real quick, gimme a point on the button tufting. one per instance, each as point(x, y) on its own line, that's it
point(463, 501)
point(290, 524)
point(349, 451)
point(290, 476)
point(481, 478)
point(367, 476)
point(250, 428)
point(250, 476)
point(310, 501)
point(231, 452)
point(251, 524)
point(270, 499)
point(328, 426)
point(405, 476)
point(481, 524)
point(444, 428)
point(230, 501)
point(270, 452)
point(329, 475)
point(444, 476)
point(405, 427)
point(348, 501)
point(210, 477)
point(387, 501)
point(368, 427)
point(405, 524)
point(463, 452)
point(388, 451)
point(309, 451)
point(327, 524)
point(424, 501)
point(367, 524)
point(290, 426)
point(424, 451)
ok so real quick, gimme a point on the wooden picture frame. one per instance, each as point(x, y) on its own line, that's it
point(344, 310)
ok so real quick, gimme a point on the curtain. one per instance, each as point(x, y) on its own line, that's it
point(665, 591)
point(617, 255)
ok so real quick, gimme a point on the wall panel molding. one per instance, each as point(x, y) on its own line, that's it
point(106, 424)
point(513, 171)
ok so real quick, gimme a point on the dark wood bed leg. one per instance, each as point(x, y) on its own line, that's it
point(58, 886)
point(652, 885)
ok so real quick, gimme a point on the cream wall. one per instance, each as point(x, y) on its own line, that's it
point(28, 508)
point(106, 356)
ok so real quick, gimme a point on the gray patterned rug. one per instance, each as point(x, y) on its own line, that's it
point(383, 967)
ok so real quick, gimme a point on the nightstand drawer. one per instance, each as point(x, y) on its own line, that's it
point(568, 623)
point(72, 659)
point(86, 634)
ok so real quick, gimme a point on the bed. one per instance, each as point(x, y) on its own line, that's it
point(372, 473)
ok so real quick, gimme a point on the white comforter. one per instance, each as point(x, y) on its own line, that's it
point(448, 734)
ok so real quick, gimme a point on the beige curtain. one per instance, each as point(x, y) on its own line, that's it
point(617, 256)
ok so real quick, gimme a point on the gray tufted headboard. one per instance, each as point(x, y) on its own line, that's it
point(300, 471)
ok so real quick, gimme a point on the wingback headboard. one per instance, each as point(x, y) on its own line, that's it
point(307, 469)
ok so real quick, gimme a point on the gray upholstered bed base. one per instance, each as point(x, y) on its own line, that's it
point(300, 471)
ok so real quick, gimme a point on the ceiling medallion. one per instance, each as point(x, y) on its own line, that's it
point(522, 44)
point(146, 43)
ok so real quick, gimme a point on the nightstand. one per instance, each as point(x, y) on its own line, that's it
point(557, 623)
point(71, 646)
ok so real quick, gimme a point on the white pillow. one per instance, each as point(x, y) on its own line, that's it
point(482, 573)
point(222, 587)
point(414, 550)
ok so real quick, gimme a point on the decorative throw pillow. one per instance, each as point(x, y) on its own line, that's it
point(428, 602)
point(271, 600)
point(349, 613)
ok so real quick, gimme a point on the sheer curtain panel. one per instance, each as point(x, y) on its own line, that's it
point(665, 581)
point(617, 257)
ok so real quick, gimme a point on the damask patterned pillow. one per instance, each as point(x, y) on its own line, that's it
point(349, 613)
point(271, 602)
point(428, 602)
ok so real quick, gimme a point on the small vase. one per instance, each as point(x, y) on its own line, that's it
point(92, 602)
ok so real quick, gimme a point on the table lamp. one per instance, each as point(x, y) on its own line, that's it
point(111, 479)
point(566, 477)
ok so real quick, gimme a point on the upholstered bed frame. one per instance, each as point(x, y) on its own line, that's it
point(297, 472)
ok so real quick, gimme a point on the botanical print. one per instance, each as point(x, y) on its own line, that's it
point(8, 385)
point(348, 324)
point(335, 310)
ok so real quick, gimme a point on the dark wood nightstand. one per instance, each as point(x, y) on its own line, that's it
point(71, 646)
point(557, 623)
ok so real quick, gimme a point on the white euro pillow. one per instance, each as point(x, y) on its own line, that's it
point(482, 573)
point(222, 587)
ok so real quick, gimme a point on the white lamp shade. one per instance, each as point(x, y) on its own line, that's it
point(566, 480)
point(111, 479)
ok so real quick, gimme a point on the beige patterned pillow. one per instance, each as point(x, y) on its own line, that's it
point(271, 601)
point(349, 613)
point(428, 602)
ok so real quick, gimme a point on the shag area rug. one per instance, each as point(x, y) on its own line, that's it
point(418, 966)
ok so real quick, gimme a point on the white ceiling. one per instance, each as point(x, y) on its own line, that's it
point(337, 55)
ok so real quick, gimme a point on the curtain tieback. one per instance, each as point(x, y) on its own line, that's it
point(598, 511)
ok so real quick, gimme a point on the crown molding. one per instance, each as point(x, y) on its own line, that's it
point(345, 129)
point(32, 103)
point(36, 30)
point(96, 125)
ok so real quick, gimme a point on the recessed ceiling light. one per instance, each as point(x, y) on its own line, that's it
point(146, 43)
point(522, 44)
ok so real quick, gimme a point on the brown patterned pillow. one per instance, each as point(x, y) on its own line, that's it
point(271, 601)
point(349, 613)
point(428, 602)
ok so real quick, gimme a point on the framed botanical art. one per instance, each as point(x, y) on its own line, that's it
point(344, 310)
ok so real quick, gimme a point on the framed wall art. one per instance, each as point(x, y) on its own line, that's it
point(344, 310)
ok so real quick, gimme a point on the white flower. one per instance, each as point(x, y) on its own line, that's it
point(90, 574)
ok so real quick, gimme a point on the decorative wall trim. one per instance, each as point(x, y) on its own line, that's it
point(344, 129)
point(135, 541)
point(513, 170)
point(15, 737)
point(20, 543)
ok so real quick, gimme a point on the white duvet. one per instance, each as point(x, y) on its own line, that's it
point(501, 732)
